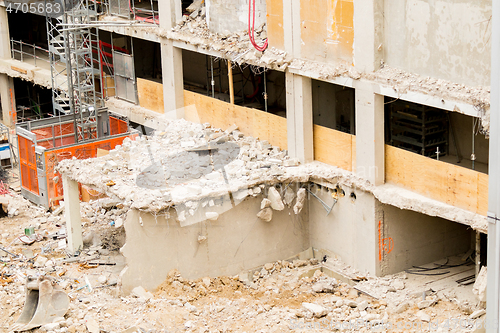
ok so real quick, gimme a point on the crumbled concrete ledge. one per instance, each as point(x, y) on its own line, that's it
point(156, 173)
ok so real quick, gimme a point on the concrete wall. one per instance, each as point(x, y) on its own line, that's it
point(348, 231)
point(226, 16)
point(351, 231)
point(237, 241)
point(419, 239)
point(326, 29)
point(445, 39)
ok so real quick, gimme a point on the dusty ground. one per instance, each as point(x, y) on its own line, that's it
point(279, 297)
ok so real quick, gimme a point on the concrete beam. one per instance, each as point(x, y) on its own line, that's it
point(370, 145)
point(172, 73)
point(299, 116)
point(72, 214)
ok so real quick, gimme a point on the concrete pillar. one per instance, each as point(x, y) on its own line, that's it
point(299, 117)
point(368, 34)
point(4, 34)
point(8, 100)
point(72, 214)
point(366, 237)
point(370, 145)
point(171, 58)
point(7, 94)
point(170, 12)
point(173, 81)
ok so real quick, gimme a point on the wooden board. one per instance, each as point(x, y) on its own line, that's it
point(220, 114)
point(110, 84)
point(150, 95)
point(333, 147)
point(20, 70)
point(445, 182)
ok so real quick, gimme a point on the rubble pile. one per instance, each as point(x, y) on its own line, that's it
point(234, 46)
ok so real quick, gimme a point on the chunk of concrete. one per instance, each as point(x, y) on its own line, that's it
point(289, 196)
point(422, 316)
point(479, 288)
point(317, 310)
point(265, 214)
point(212, 216)
point(141, 293)
point(478, 313)
point(265, 203)
point(275, 198)
point(301, 198)
point(92, 324)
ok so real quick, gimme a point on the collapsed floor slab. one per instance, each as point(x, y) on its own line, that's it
point(190, 179)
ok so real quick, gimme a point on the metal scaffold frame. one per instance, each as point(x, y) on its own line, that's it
point(75, 41)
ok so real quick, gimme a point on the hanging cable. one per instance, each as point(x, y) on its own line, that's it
point(251, 27)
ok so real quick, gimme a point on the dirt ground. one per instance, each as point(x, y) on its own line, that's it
point(285, 296)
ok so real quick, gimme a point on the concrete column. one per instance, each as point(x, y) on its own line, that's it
point(4, 34)
point(368, 34)
point(299, 117)
point(8, 100)
point(370, 145)
point(173, 81)
point(170, 13)
point(366, 238)
point(72, 214)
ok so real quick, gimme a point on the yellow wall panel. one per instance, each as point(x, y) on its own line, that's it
point(220, 114)
point(448, 183)
point(333, 147)
point(275, 30)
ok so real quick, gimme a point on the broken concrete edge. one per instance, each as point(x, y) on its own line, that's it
point(276, 59)
point(315, 172)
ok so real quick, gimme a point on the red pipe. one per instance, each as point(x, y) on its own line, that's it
point(251, 27)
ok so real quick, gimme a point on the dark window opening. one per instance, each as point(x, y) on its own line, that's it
point(253, 87)
point(148, 63)
point(448, 136)
point(333, 106)
point(32, 101)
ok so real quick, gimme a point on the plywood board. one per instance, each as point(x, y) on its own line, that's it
point(252, 122)
point(448, 183)
point(150, 95)
point(333, 147)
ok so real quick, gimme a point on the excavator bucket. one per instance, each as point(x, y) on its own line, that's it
point(45, 301)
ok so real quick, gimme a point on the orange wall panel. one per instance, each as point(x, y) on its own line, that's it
point(327, 29)
point(275, 30)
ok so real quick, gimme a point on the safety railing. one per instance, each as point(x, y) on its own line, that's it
point(23, 51)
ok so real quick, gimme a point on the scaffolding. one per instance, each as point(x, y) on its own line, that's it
point(74, 41)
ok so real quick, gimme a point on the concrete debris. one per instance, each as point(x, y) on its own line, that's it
point(265, 214)
point(213, 216)
point(478, 313)
point(398, 284)
point(91, 324)
point(479, 288)
point(265, 203)
point(301, 198)
point(289, 196)
point(141, 293)
point(317, 310)
point(426, 303)
point(422, 316)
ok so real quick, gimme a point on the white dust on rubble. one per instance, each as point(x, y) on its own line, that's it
point(235, 46)
point(147, 173)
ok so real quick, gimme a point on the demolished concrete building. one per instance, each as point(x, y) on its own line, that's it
point(365, 125)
